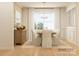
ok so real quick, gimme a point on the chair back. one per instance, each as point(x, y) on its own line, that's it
point(46, 39)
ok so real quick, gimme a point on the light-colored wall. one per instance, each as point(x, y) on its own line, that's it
point(77, 22)
point(6, 25)
point(63, 21)
point(25, 20)
point(25, 17)
point(71, 32)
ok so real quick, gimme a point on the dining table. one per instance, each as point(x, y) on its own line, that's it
point(40, 32)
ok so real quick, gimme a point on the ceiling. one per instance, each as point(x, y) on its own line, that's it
point(44, 4)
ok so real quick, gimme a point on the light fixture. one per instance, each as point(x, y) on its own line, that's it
point(44, 17)
point(43, 4)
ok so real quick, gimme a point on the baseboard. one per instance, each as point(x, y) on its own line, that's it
point(7, 48)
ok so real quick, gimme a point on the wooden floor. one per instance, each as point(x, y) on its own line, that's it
point(23, 50)
point(39, 52)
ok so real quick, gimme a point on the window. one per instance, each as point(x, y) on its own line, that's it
point(44, 20)
point(17, 17)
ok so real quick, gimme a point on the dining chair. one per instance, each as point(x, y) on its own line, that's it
point(46, 39)
point(56, 39)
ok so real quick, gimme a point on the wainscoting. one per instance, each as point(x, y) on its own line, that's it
point(71, 34)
